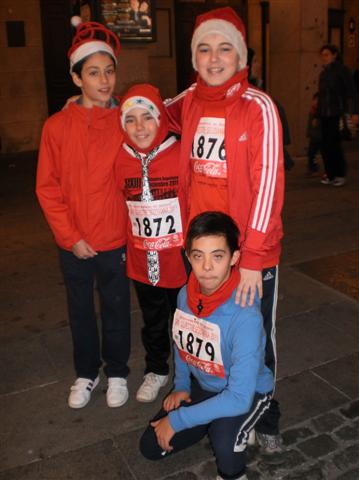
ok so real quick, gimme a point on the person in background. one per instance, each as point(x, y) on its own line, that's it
point(337, 96)
point(77, 190)
point(314, 133)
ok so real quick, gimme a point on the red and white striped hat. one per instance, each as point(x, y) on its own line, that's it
point(90, 38)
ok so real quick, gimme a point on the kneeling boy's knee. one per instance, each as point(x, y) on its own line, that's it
point(148, 445)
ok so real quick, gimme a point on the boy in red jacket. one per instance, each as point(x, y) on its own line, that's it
point(77, 190)
point(148, 173)
point(232, 161)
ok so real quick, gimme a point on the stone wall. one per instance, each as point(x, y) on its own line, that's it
point(23, 103)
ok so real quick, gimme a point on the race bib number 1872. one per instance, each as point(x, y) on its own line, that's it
point(156, 225)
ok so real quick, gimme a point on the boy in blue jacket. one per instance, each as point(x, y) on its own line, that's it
point(221, 386)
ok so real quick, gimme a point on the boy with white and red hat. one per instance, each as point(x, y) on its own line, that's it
point(78, 192)
point(232, 161)
point(148, 176)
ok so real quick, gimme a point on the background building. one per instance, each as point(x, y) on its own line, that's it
point(286, 35)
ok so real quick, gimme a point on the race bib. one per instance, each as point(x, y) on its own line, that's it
point(208, 150)
point(156, 225)
point(198, 342)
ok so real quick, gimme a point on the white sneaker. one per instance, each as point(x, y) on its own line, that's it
point(80, 393)
point(325, 180)
point(339, 181)
point(150, 387)
point(117, 392)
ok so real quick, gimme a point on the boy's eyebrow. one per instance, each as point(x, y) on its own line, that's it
point(142, 114)
point(207, 44)
point(213, 251)
point(98, 68)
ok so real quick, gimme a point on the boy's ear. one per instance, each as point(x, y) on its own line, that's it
point(235, 257)
point(77, 80)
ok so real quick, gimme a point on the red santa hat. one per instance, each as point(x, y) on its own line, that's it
point(148, 98)
point(221, 21)
point(90, 38)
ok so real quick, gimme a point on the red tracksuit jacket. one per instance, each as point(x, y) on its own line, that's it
point(254, 155)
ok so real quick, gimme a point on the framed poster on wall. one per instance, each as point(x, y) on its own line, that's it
point(131, 20)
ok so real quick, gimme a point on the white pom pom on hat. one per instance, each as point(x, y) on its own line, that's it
point(221, 21)
point(76, 21)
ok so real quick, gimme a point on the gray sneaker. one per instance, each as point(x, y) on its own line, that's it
point(270, 443)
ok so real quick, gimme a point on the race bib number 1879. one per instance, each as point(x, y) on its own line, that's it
point(198, 342)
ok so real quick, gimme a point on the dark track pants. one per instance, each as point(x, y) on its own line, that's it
point(269, 422)
point(228, 435)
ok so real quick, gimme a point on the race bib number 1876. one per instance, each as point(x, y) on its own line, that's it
point(208, 149)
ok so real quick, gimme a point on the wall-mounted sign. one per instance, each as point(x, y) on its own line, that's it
point(132, 20)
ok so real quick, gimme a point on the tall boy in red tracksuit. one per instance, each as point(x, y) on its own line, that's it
point(78, 192)
point(232, 161)
point(148, 176)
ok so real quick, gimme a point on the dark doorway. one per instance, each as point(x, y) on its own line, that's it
point(335, 27)
point(57, 35)
point(185, 14)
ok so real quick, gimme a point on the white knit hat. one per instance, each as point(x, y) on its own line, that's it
point(138, 101)
point(225, 22)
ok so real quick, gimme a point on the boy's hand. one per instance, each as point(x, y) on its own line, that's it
point(72, 99)
point(83, 250)
point(173, 400)
point(164, 433)
point(251, 280)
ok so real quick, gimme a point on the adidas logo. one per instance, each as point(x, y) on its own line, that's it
point(243, 137)
point(268, 276)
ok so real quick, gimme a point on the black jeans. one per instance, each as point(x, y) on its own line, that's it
point(109, 270)
point(158, 306)
point(228, 435)
point(334, 161)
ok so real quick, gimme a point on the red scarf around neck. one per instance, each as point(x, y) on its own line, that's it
point(203, 305)
point(223, 94)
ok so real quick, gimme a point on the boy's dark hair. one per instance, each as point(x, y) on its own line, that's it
point(213, 223)
point(333, 49)
point(77, 68)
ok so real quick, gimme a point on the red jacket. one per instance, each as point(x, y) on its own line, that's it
point(76, 184)
point(163, 177)
point(253, 143)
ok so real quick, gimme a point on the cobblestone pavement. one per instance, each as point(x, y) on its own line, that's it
point(317, 340)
